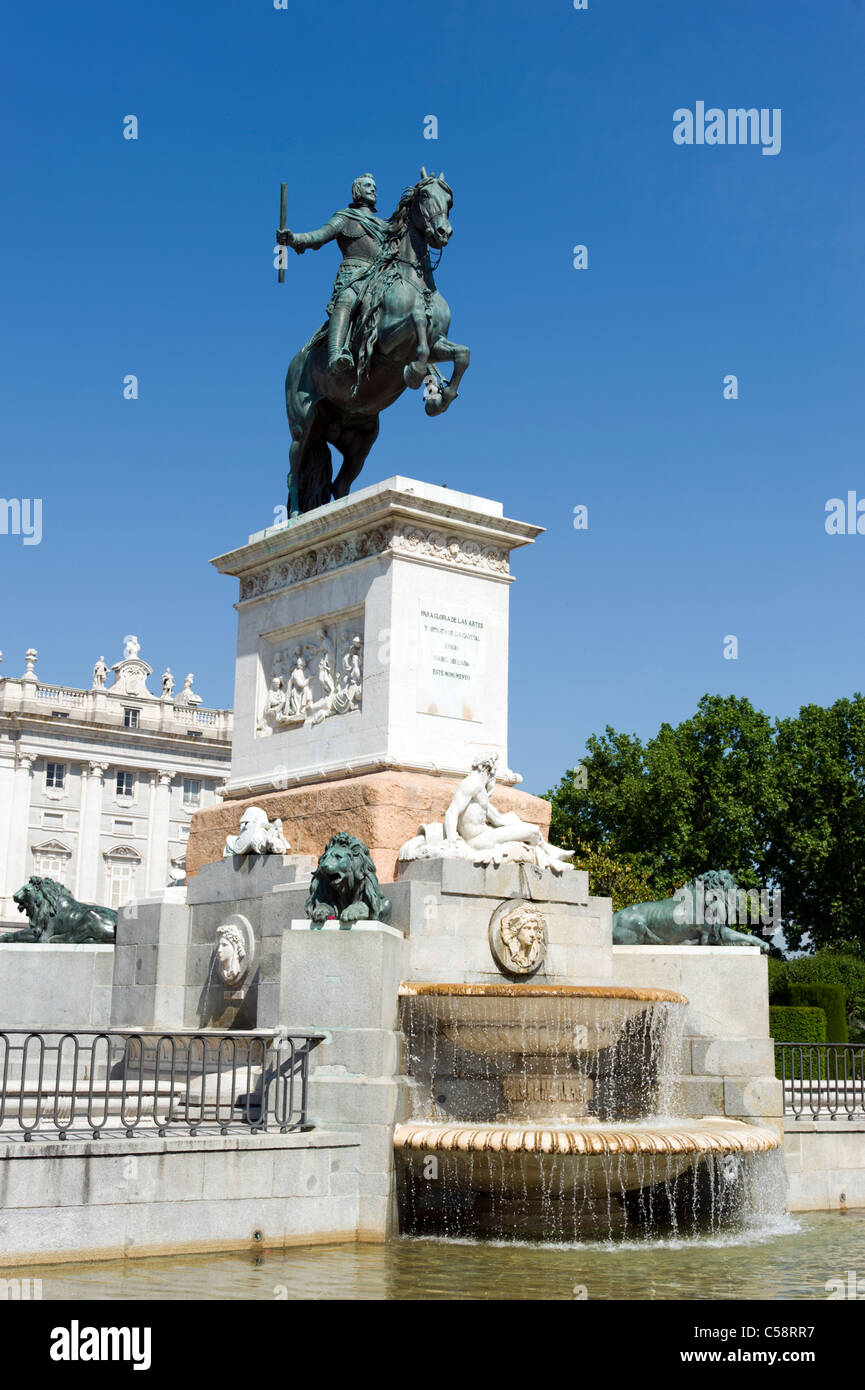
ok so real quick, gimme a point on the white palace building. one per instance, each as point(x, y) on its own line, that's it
point(98, 785)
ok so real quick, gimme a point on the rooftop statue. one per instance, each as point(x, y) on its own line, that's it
point(387, 329)
point(187, 695)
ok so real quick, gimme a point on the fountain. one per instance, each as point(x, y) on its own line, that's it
point(548, 1112)
point(548, 1068)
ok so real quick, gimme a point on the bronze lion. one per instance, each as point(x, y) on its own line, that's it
point(344, 884)
point(55, 916)
point(696, 915)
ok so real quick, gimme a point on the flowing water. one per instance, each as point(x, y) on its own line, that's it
point(793, 1258)
point(544, 1112)
point(468, 1052)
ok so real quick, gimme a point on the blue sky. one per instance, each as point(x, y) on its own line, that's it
point(600, 387)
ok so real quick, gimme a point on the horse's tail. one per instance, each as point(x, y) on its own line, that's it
point(315, 473)
point(311, 463)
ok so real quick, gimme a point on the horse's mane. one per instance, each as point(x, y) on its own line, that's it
point(397, 224)
point(384, 270)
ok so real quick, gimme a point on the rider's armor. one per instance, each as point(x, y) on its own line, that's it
point(359, 234)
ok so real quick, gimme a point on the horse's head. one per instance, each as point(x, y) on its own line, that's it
point(431, 202)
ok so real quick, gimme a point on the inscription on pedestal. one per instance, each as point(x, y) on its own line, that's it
point(452, 643)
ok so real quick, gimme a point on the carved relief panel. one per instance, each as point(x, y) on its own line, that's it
point(312, 674)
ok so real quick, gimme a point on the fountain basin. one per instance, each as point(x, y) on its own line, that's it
point(530, 1019)
point(529, 1051)
point(565, 1182)
point(542, 1113)
point(709, 1135)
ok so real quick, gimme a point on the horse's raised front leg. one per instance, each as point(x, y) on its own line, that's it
point(443, 350)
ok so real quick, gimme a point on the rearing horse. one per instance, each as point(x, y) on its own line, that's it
point(399, 330)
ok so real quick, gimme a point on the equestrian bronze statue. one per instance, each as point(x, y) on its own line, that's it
point(387, 328)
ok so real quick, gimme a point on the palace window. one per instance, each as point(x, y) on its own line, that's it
point(55, 776)
point(53, 818)
point(124, 827)
point(126, 785)
point(121, 867)
point(131, 718)
point(191, 792)
point(51, 860)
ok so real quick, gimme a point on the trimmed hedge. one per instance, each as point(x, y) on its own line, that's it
point(832, 999)
point(826, 967)
point(795, 1024)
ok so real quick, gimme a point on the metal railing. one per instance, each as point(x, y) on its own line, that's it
point(822, 1080)
point(92, 1083)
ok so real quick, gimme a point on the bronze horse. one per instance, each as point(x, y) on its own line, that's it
point(399, 330)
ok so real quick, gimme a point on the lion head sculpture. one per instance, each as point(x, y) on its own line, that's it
point(345, 885)
point(54, 915)
point(39, 898)
point(715, 890)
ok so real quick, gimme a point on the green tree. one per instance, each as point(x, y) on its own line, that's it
point(781, 807)
point(697, 796)
point(816, 839)
point(611, 877)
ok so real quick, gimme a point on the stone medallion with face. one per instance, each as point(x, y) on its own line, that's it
point(518, 937)
point(235, 944)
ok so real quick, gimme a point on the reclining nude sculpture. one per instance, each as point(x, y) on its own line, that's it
point(474, 829)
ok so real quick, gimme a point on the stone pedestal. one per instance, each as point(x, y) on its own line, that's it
point(346, 982)
point(450, 903)
point(372, 667)
point(383, 809)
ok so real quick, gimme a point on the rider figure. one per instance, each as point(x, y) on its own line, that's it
point(360, 233)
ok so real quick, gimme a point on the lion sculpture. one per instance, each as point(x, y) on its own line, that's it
point(345, 885)
point(55, 916)
point(696, 915)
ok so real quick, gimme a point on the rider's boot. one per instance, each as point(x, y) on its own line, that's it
point(339, 358)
